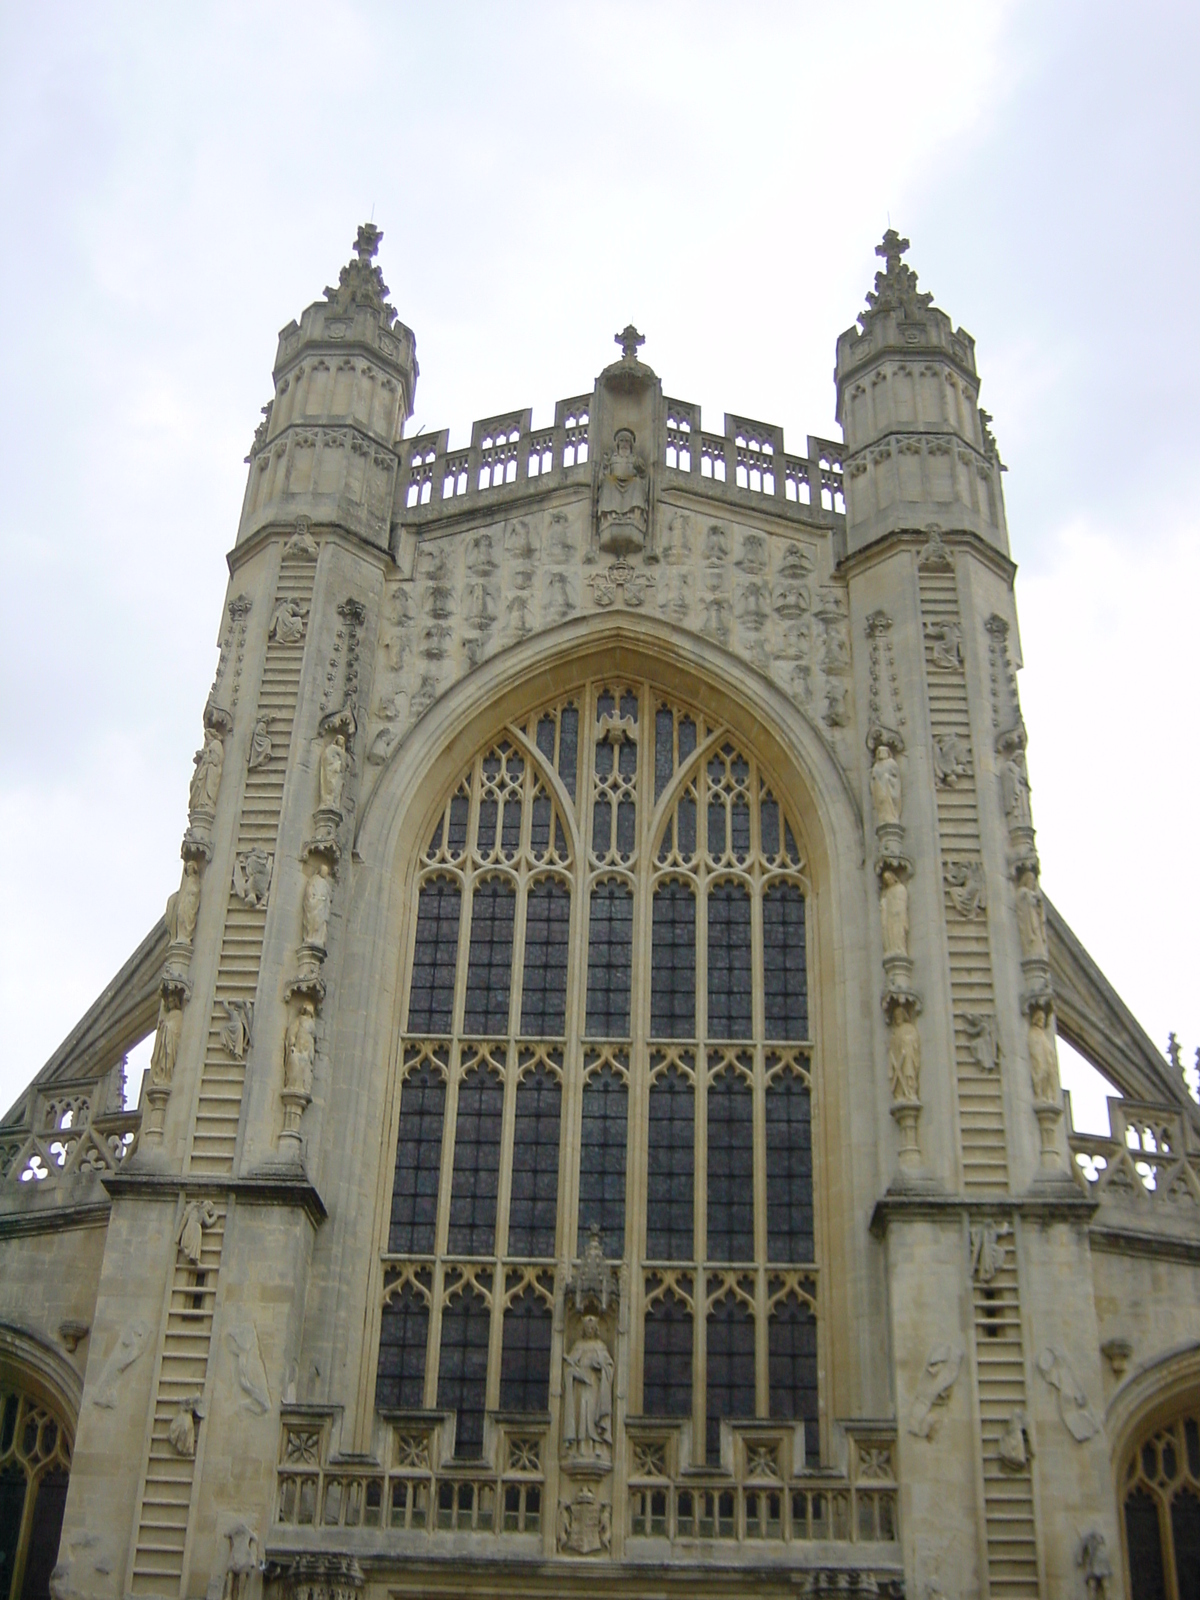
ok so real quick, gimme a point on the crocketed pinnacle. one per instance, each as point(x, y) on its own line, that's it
point(896, 285)
point(361, 283)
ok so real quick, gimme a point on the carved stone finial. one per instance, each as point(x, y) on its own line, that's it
point(592, 1279)
point(360, 283)
point(896, 286)
point(630, 341)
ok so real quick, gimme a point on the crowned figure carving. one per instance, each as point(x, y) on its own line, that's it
point(360, 283)
point(623, 501)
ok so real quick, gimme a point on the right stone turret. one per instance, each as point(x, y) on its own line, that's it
point(918, 448)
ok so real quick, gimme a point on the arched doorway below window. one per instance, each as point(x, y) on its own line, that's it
point(35, 1465)
point(1160, 1503)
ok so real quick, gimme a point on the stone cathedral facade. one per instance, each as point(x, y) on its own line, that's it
point(603, 1134)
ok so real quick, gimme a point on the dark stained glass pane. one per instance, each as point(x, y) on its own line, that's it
point(768, 826)
point(729, 1389)
point(418, 1162)
point(489, 964)
point(602, 1160)
point(456, 833)
point(403, 1335)
point(545, 736)
point(730, 1168)
point(525, 1355)
point(792, 1363)
point(476, 1165)
point(687, 739)
point(673, 962)
point(42, 1553)
point(533, 1208)
point(730, 985)
point(435, 957)
point(544, 989)
point(685, 828)
point(610, 957)
point(1185, 1531)
point(12, 1509)
point(1145, 1547)
point(568, 748)
point(789, 1170)
point(670, 1167)
point(462, 1370)
point(785, 966)
point(667, 1367)
point(739, 827)
point(542, 815)
point(664, 750)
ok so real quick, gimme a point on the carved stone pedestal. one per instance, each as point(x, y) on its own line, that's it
point(891, 840)
point(295, 1103)
point(157, 1096)
point(324, 842)
point(907, 1114)
point(1048, 1119)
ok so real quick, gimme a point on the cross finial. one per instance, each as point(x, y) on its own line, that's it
point(366, 246)
point(892, 248)
point(629, 339)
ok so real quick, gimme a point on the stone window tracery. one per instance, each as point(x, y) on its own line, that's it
point(607, 1028)
point(1161, 1509)
point(35, 1465)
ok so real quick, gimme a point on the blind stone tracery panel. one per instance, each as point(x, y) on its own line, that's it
point(623, 976)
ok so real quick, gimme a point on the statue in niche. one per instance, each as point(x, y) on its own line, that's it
point(318, 892)
point(587, 1395)
point(1015, 780)
point(480, 608)
point(716, 545)
point(480, 557)
point(166, 1045)
point(893, 912)
point(520, 542)
point(206, 780)
point(260, 746)
point(753, 558)
point(333, 773)
point(252, 873)
point(520, 617)
point(560, 602)
point(300, 1050)
point(287, 625)
point(1043, 1058)
point(623, 503)
point(200, 1214)
point(677, 544)
point(904, 1055)
point(716, 619)
point(886, 794)
point(1031, 916)
point(837, 646)
point(183, 907)
point(837, 706)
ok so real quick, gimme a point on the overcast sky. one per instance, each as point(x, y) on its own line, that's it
point(177, 183)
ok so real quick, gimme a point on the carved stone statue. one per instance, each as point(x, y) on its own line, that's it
point(200, 1214)
point(238, 1029)
point(904, 1055)
point(333, 773)
point(1043, 1059)
point(1080, 1421)
point(166, 1045)
point(287, 625)
point(128, 1348)
point(252, 876)
point(623, 504)
point(1015, 779)
point(206, 780)
point(318, 892)
point(893, 913)
point(260, 745)
point(937, 1378)
point(300, 1050)
point(587, 1394)
point(1096, 1564)
point(242, 1562)
point(184, 905)
point(885, 786)
point(1031, 917)
point(181, 1435)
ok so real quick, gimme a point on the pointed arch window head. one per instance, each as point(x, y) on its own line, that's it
point(607, 1027)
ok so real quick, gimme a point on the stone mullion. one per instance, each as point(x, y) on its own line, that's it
point(638, 1091)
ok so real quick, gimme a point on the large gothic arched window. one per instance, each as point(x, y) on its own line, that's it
point(35, 1464)
point(606, 1029)
point(1161, 1504)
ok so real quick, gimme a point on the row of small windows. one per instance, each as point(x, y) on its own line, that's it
point(729, 951)
point(729, 1197)
point(729, 1361)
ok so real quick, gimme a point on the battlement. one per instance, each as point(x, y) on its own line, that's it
point(507, 456)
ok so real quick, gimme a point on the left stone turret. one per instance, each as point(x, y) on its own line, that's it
point(345, 378)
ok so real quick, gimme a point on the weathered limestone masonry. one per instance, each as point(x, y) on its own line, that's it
point(603, 1130)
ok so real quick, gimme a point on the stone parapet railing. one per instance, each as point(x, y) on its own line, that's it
point(1150, 1159)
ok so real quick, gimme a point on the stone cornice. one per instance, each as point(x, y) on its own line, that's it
point(1059, 1204)
point(286, 1187)
point(916, 539)
point(1116, 1240)
point(55, 1219)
